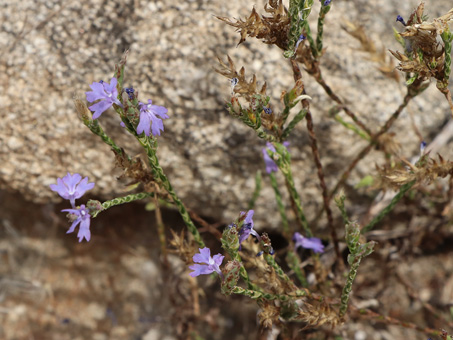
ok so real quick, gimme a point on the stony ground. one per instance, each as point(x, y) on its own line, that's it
point(52, 287)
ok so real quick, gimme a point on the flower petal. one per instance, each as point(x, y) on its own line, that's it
point(99, 108)
point(157, 125)
point(203, 256)
point(144, 124)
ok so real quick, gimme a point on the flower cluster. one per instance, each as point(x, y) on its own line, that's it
point(150, 115)
point(72, 187)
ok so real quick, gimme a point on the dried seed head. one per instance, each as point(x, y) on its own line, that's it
point(272, 29)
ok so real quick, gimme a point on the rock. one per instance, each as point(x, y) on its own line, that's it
point(54, 51)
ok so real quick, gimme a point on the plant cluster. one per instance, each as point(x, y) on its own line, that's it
point(250, 266)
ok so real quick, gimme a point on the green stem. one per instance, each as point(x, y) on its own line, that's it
point(257, 191)
point(352, 127)
point(150, 145)
point(94, 126)
point(278, 270)
point(297, 118)
point(294, 263)
point(322, 15)
point(280, 205)
point(348, 286)
point(267, 296)
point(406, 187)
point(121, 200)
point(286, 170)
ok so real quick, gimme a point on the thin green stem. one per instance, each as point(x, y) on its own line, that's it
point(352, 127)
point(94, 126)
point(321, 18)
point(294, 263)
point(348, 286)
point(256, 192)
point(280, 205)
point(296, 199)
point(150, 145)
point(270, 297)
point(405, 188)
point(121, 200)
point(278, 270)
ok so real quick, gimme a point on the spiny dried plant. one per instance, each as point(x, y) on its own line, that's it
point(424, 171)
point(271, 30)
point(242, 88)
point(269, 313)
point(181, 246)
point(135, 170)
point(427, 50)
point(317, 315)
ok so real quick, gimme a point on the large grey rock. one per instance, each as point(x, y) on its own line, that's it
point(53, 51)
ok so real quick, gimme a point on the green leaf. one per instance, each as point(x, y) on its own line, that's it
point(365, 182)
point(411, 80)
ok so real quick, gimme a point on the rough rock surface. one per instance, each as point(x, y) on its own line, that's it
point(53, 50)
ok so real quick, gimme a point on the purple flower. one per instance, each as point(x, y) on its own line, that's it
point(401, 20)
point(268, 161)
point(72, 187)
point(108, 94)
point(267, 110)
point(313, 243)
point(130, 92)
point(212, 263)
point(82, 216)
point(301, 38)
point(422, 147)
point(247, 228)
point(326, 2)
point(148, 116)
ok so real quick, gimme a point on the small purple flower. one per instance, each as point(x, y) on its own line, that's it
point(247, 228)
point(71, 187)
point(149, 117)
point(313, 243)
point(268, 161)
point(401, 20)
point(82, 216)
point(130, 92)
point(326, 2)
point(422, 147)
point(267, 110)
point(212, 263)
point(108, 95)
point(301, 38)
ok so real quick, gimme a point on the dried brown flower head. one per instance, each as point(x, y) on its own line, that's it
point(243, 88)
point(318, 315)
point(426, 171)
point(182, 247)
point(425, 51)
point(136, 171)
point(271, 30)
point(269, 313)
